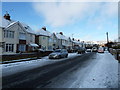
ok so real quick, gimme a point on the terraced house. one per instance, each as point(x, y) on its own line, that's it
point(16, 36)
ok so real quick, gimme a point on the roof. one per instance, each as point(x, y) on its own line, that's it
point(43, 32)
point(4, 22)
point(59, 36)
point(27, 28)
point(11, 24)
point(7, 23)
point(33, 45)
point(77, 42)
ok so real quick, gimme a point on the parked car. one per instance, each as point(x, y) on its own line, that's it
point(101, 50)
point(94, 49)
point(88, 50)
point(58, 53)
point(70, 50)
point(81, 50)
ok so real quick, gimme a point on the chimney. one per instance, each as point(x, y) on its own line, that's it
point(44, 28)
point(7, 16)
point(61, 33)
point(53, 33)
point(73, 39)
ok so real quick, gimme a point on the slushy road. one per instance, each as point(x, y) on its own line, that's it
point(70, 73)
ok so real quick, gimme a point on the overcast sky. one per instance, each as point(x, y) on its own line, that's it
point(85, 20)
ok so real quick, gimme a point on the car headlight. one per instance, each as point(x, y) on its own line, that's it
point(55, 55)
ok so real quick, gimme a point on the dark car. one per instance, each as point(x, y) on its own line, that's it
point(88, 50)
point(59, 53)
point(94, 49)
point(81, 50)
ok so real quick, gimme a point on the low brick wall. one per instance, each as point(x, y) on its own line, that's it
point(24, 55)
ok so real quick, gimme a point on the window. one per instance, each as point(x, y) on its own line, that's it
point(55, 41)
point(22, 36)
point(50, 39)
point(50, 47)
point(22, 47)
point(43, 37)
point(9, 47)
point(63, 41)
point(26, 27)
point(31, 38)
point(43, 47)
point(8, 34)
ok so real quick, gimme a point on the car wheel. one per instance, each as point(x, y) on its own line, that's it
point(66, 56)
point(59, 57)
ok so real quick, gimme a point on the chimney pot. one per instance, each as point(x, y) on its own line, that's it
point(61, 33)
point(44, 28)
point(7, 16)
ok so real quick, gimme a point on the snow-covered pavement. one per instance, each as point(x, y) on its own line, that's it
point(12, 68)
point(104, 74)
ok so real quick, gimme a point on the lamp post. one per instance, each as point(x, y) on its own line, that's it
point(72, 41)
point(107, 41)
point(107, 37)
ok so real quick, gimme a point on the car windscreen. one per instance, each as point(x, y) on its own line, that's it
point(100, 48)
point(57, 51)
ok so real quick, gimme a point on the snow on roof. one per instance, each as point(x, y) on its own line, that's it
point(33, 45)
point(59, 36)
point(10, 24)
point(76, 41)
point(27, 28)
point(7, 23)
point(43, 32)
point(4, 23)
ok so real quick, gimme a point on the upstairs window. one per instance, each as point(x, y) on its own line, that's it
point(44, 38)
point(22, 36)
point(31, 38)
point(8, 34)
point(26, 27)
point(50, 39)
point(54, 40)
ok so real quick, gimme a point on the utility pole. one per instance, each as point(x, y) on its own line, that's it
point(107, 37)
point(72, 41)
point(107, 41)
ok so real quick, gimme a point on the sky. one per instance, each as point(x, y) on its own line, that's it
point(87, 21)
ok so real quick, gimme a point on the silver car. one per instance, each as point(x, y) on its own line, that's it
point(59, 53)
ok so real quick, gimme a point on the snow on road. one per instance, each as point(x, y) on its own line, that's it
point(100, 72)
point(12, 68)
point(104, 73)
